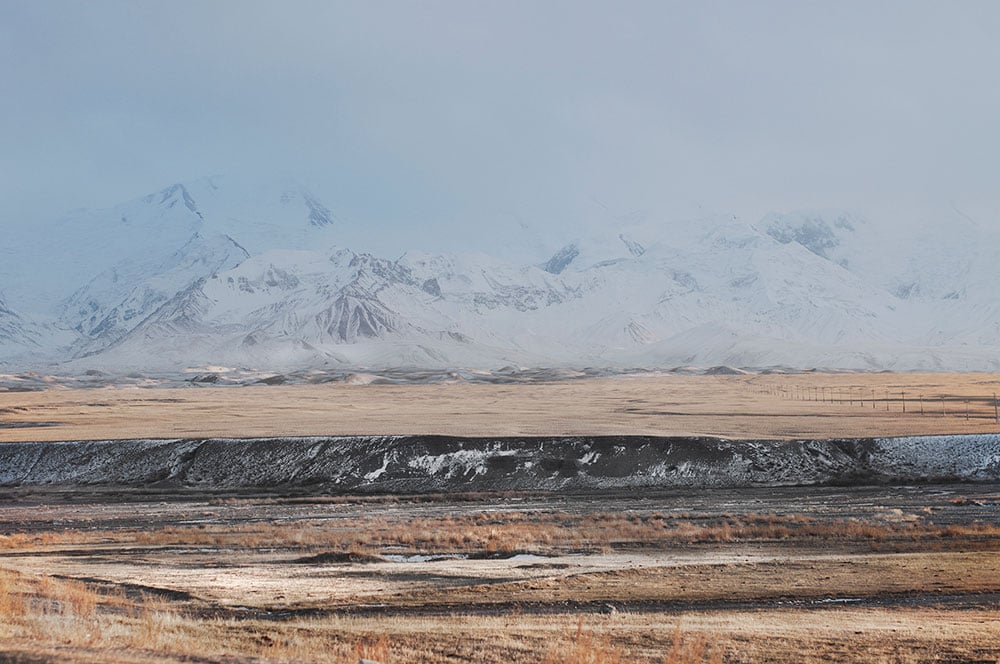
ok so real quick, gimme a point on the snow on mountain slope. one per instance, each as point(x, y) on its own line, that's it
point(258, 215)
point(950, 259)
point(943, 275)
point(51, 261)
point(620, 304)
point(218, 271)
point(25, 341)
point(291, 308)
point(13, 330)
point(116, 300)
point(725, 274)
point(298, 299)
point(484, 284)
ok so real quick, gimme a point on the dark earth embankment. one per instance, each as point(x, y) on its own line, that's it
point(415, 464)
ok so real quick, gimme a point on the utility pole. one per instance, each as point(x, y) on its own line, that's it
point(902, 395)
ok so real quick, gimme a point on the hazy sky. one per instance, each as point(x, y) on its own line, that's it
point(423, 113)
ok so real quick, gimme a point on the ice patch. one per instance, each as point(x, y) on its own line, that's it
point(422, 557)
point(375, 474)
point(460, 462)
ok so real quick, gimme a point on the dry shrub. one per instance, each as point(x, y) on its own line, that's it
point(32, 540)
point(693, 651)
point(12, 604)
point(584, 647)
point(76, 598)
point(375, 648)
point(152, 623)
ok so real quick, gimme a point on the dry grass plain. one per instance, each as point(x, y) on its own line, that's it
point(842, 575)
point(757, 406)
point(864, 574)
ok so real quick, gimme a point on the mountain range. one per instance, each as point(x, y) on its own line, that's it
point(221, 272)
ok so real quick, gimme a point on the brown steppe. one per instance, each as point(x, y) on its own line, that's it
point(793, 574)
point(751, 406)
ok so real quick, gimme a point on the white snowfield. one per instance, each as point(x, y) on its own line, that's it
point(219, 272)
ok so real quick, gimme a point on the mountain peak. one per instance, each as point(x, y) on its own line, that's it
point(173, 195)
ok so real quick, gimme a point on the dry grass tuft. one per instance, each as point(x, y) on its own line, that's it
point(584, 646)
point(373, 648)
point(693, 651)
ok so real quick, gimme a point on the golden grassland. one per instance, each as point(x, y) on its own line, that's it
point(68, 620)
point(607, 587)
point(234, 579)
point(501, 532)
point(771, 406)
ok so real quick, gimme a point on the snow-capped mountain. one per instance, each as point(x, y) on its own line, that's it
point(218, 271)
point(46, 262)
point(943, 276)
point(13, 330)
point(118, 299)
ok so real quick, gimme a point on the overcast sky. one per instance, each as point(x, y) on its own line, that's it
point(413, 113)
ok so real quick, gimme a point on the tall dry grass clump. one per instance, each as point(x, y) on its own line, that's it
point(373, 648)
point(691, 651)
point(584, 646)
point(12, 601)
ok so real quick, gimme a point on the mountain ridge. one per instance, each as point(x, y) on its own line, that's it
point(216, 271)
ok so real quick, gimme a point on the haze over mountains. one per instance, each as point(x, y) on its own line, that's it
point(221, 272)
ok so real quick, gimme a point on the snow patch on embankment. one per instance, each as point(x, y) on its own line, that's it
point(443, 464)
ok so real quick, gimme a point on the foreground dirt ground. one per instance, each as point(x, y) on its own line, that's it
point(787, 575)
point(758, 406)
